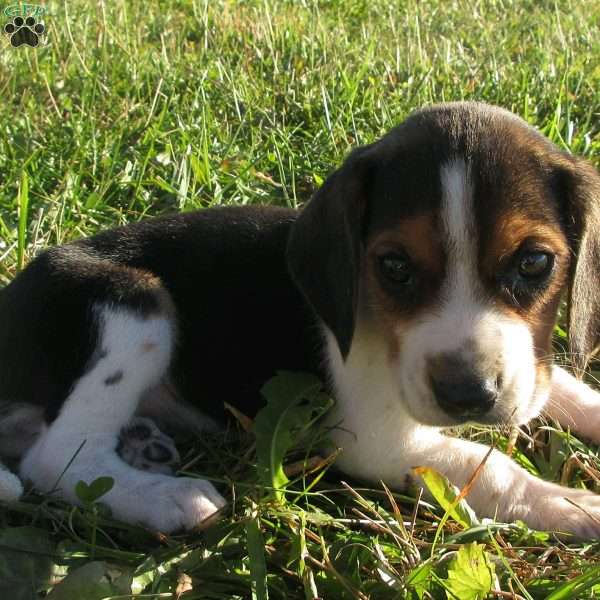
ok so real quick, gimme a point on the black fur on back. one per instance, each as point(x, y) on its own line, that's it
point(239, 316)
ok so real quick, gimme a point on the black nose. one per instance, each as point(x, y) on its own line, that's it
point(460, 389)
point(465, 397)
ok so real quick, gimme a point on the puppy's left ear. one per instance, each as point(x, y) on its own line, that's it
point(579, 184)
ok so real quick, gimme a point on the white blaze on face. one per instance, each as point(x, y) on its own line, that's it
point(458, 218)
point(463, 322)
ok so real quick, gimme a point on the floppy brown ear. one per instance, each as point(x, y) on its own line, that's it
point(324, 247)
point(580, 184)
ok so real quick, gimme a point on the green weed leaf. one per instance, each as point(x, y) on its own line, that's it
point(93, 581)
point(90, 493)
point(291, 400)
point(419, 580)
point(470, 574)
point(446, 495)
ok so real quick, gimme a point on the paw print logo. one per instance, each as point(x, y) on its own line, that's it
point(24, 31)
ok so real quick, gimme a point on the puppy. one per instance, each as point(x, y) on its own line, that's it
point(422, 282)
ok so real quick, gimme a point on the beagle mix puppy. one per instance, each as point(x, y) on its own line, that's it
point(422, 281)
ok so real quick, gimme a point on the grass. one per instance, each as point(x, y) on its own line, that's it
point(138, 108)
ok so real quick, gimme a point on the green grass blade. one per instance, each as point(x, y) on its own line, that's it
point(23, 208)
point(256, 555)
point(573, 589)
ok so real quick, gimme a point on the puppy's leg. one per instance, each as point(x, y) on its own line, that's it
point(506, 491)
point(502, 489)
point(574, 404)
point(162, 404)
point(132, 354)
point(20, 426)
point(10, 485)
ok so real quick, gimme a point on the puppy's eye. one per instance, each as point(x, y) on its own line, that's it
point(535, 265)
point(396, 268)
point(526, 276)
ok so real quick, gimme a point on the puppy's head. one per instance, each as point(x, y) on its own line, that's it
point(452, 240)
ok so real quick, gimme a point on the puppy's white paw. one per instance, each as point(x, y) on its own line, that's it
point(144, 446)
point(568, 511)
point(11, 487)
point(171, 504)
point(158, 501)
point(574, 404)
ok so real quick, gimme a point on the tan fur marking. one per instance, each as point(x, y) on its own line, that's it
point(419, 239)
point(511, 230)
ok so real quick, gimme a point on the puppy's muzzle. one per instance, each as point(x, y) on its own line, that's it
point(461, 390)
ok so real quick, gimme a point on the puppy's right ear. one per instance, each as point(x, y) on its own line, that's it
point(580, 185)
point(324, 247)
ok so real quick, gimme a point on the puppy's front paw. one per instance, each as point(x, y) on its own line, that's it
point(574, 404)
point(171, 504)
point(568, 511)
